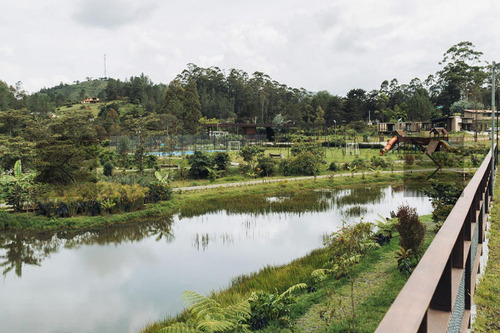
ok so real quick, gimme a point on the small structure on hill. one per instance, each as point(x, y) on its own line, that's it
point(90, 100)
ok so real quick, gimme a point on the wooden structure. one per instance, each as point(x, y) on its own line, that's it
point(438, 295)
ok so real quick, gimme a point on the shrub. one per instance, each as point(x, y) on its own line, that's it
point(151, 161)
point(378, 161)
point(358, 162)
point(444, 159)
point(249, 152)
point(158, 192)
point(409, 159)
point(310, 147)
point(221, 160)
point(266, 166)
point(267, 307)
point(305, 163)
point(94, 198)
point(200, 164)
point(444, 197)
point(108, 169)
point(333, 167)
point(411, 230)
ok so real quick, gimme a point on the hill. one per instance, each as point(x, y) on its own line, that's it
point(74, 93)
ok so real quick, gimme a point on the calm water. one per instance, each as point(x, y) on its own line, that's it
point(120, 279)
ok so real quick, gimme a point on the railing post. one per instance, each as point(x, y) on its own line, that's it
point(441, 300)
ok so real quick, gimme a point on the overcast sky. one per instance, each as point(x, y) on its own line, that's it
point(314, 44)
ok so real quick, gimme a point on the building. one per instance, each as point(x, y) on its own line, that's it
point(90, 100)
point(470, 120)
point(406, 126)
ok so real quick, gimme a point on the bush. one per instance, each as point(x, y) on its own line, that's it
point(245, 169)
point(221, 160)
point(357, 163)
point(305, 163)
point(151, 161)
point(411, 230)
point(310, 147)
point(444, 197)
point(108, 169)
point(409, 159)
point(267, 307)
point(158, 192)
point(93, 199)
point(200, 164)
point(266, 166)
point(378, 161)
point(249, 152)
point(333, 167)
point(444, 159)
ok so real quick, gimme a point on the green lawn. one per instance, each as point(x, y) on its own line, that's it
point(487, 297)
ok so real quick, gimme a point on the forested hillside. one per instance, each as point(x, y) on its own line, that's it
point(236, 96)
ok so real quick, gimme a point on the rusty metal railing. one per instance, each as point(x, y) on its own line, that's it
point(438, 295)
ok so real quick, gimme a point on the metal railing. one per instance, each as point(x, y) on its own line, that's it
point(438, 295)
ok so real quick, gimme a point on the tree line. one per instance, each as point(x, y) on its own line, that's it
point(58, 142)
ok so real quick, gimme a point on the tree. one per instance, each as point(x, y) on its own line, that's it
point(354, 106)
point(192, 109)
point(420, 106)
point(462, 72)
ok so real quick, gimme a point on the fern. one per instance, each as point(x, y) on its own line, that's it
point(320, 274)
point(291, 290)
point(208, 315)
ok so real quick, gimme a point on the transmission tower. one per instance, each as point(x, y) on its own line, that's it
point(105, 65)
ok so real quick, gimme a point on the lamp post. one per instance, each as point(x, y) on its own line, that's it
point(335, 132)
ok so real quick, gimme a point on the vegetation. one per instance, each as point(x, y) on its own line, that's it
point(346, 248)
point(207, 315)
point(487, 295)
point(87, 163)
point(325, 305)
point(410, 229)
point(444, 196)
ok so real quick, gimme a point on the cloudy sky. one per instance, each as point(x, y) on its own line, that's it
point(315, 44)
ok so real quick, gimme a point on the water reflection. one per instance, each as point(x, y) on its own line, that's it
point(25, 248)
point(118, 279)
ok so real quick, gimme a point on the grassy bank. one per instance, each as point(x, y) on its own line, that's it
point(326, 308)
point(487, 296)
point(193, 201)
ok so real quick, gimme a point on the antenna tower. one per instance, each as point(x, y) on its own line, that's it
point(105, 65)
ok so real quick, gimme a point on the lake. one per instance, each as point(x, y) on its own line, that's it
point(121, 278)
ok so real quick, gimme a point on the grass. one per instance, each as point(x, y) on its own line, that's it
point(192, 202)
point(487, 296)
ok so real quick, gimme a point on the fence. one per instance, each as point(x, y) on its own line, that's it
point(438, 295)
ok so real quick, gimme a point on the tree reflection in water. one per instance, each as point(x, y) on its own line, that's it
point(24, 248)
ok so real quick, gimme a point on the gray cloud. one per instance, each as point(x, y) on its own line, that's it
point(319, 45)
point(111, 14)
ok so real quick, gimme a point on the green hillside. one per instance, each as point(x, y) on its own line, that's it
point(73, 92)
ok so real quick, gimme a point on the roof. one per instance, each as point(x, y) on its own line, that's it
point(400, 133)
point(439, 131)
